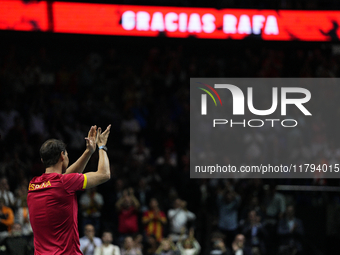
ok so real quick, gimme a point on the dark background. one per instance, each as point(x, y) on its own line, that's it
point(104, 79)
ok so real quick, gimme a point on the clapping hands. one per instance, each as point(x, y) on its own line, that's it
point(96, 137)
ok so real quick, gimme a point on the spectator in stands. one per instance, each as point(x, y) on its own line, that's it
point(22, 217)
point(6, 219)
point(188, 246)
point(254, 232)
point(7, 116)
point(107, 248)
point(151, 245)
point(130, 128)
point(112, 193)
point(252, 205)
point(290, 230)
point(154, 220)
point(6, 194)
point(76, 135)
point(152, 177)
point(127, 207)
point(274, 203)
point(21, 194)
point(239, 246)
point(118, 189)
point(17, 135)
point(37, 122)
point(274, 207)
point(21, 213)
point(16, 243)
point(166, 165)
point(143, 194)
point(91, 203)
point(254, 142)
point(178, 218)
point(138, 241)
point(129, 248)
point(140, 153)
point(255, 251)
point(167, 247)
point(228, 202)
point(89, 242)
point(218, 246)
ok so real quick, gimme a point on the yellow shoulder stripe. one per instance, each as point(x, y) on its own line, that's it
point(85, 181)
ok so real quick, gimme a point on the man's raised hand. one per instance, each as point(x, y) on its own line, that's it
point(102, 137)
point(91, 139)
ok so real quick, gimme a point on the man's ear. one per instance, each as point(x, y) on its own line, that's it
point(41, 160)
point(62, 155)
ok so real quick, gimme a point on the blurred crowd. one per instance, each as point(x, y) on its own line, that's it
point(151, 206)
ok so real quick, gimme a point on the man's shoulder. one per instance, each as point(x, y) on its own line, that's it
point(70, 176)
point(45, 177)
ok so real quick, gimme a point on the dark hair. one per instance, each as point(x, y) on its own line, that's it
point(107, 231)
point(50, 152)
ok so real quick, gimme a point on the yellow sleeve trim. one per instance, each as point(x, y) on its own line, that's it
point(85, 181)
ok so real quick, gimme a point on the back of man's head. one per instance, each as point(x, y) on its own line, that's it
point(50, 152)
